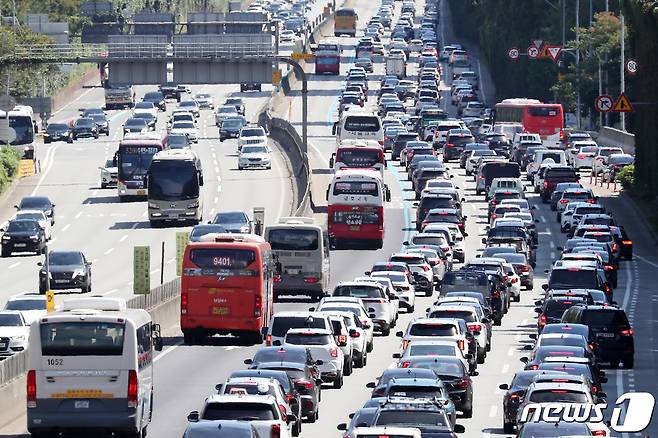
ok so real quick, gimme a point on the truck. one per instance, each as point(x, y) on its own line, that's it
point(119, 97)
point(396, 65)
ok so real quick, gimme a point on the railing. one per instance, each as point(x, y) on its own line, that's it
point(223, 50)
point(16, 365)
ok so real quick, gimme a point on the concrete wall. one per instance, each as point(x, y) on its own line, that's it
point(615, 137)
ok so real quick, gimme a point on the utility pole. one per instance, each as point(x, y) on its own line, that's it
point(622, 69)
point(564, 22)
point(578, 103)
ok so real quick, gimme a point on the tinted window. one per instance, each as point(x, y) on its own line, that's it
point(300, 339)
point(461, 314)
point(555, 309)
point(356, 188)
point(35, 304)
point(238, 411)
point(557, 396)
point(433, 330)
point(282, 324)
point(415, 418)
point(604, 318)
point(10, 320)
point(543, 111)
point(22, 226)
point(65, 258)
point(82, 339)
point(574, 279)
point(362, 123)
point(560, 173)
point(357, 291)
point(230, 218)
point(414, 391)
point(293, 239)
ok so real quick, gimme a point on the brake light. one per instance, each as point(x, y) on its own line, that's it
point(133, 389)
point(31, 389)
point(496, 294)
point(305, 383)
point(183, 302)
point(406, 364)
point(545, 184)
point(450, 145)
point(461, 344)
point(590, 201)
point(381, 142)
point(615, 247)
point(356, 334)
point(258, 304)
point(342, 339)
point(514, 280)
point(268, 340)
point(475, 327)
point(608, 267)
point(627, 242)
point(461, 383)
point(627, 332)
point(581, 156)
point(405, 344)
point(524, 268)
point(277, 279)
point(542, 320)
point(334, 352)
point(311, 280)
point(425, 268)
point(563, 201)
point(283, 410)
point(599, 433)
point(276, 430)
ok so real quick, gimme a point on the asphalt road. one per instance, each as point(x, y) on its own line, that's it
point(185, 375)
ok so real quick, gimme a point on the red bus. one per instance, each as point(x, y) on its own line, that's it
point(327, 58)
point(227, 287)
point(355, 208)
point(545, 119)
point(359, 154)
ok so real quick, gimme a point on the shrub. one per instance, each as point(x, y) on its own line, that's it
point(9, 159)
point(627, 177)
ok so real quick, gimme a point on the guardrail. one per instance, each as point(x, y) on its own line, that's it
point(16, 365)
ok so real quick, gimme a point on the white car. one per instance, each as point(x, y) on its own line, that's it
point(32, 306)
point(585, 155)
point(14, 333)
point(268, 420)
point(358, 335)
point(374, 298)
point(146, 107)
point(438, 183)
point(427, 329)
point(323, 347)
point(405, 290)
point(456, 240)
point(39, 216)
point(191, 106)
point(473, 316)
point(354, 305)
point(251, 135)
point(204, 100)
point(432, 348)
point(109, 174)
point(181, 116)
point(393, 297)
point(514, 280)
point(474, 159)
point(473, 109)
point(185, 128)
point(254, 155)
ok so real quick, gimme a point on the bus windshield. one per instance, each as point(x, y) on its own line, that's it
point(362, 123)
point(172, 180)
point(135, 160)
point(356, 188)
point(359, 157)
point(82, 339)
point(293, 239)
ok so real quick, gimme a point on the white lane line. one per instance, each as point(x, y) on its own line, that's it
point(542, 218)
point(109, 251)
point(94, 261)
point(233, 347)
point(154, 271)
point(171, 261)
point(655, 265)
point(13, 265)
point(49, 165)
point(53, 240)
point(492, 411)
point(134, 225)
point(551, 244)
point(111, 291)
point(214, 201)
point(124, 237)
point(66, 227)
point(73, 101)
point(77, 216)
point(505, 369)
point(510, 352)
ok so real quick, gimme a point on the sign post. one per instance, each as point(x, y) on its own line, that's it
point(181, 242)
point(141, 270)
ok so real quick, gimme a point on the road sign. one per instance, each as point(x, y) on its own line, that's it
point(298, 56)
point(537, 43)
point(50, 301)
point(532, 52)
point(513, 53)
point(276, 77)
point(543, 53)
point(142, 270)
point(181, 242)
point(554, 52)
point(631, 66)
point(622, 104)
point(603, 103)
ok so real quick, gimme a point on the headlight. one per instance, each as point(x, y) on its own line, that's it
point(18, 338)
point(35, 237)
point(194, 204)
point(154, 205)
point(245, 229)
point(79, 273)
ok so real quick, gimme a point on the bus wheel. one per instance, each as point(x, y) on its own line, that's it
point(188, 338)
point(255, 338)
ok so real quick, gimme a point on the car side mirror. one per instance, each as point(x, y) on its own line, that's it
point(533, 336)
point(484, 240)
point(157, 342)
point(468, 356)
point(342, 426)
point(527, 347)
point(399, 334)
point(371, 385)
point(538, 303)
point(193, 417)
point(38, 263)
point(396, 355)
point(319, 362)
point(544, 286)
point(17, 207)
point(537, 309)
point(474, 373)
point(485, 321)
point(248, 361)
point(311, 309)
point(291, 418)
point(524, 360)
point(276, 343)
point(368, 272)
point(602, 395)
point(503, 386)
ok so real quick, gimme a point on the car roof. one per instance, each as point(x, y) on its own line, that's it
point(248, 398)
point(308, 331)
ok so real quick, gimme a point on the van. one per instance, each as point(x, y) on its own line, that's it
point(396, 64)
point(281, 322)
point(509, 184)
point(494, 169)
point(90, 368)
point(541, 155)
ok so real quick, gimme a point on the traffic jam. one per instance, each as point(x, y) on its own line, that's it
point(518, 158)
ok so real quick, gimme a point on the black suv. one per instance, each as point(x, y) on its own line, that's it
point(85, 127)
point(56, 132)
point(23, 235)
point(67, 270)
point(38, 203)
point(400, 143)
point(610, 329)
point(157, 98)
point(430, 201)
point(456, 140)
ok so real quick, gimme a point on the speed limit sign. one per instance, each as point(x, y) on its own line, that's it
point(631, 66)
point(513, 53)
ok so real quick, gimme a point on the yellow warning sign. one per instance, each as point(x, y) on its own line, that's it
point(544, 53)
point(622, 104)
point(302, 56)
point(25, 168)
point(276, 77)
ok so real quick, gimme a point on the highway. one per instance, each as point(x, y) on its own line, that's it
point(93, 220)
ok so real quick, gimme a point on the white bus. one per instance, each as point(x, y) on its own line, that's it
point(18, 127)
point(90, 369)
point(303, 251)
point(355, 208)
point(174, 182)
point(358, 125)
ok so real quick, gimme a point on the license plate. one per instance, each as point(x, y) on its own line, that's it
point(81, 404)
point(355, 228)
point(220, 310)
point(141, 192)
point(20, 245)
point(61, 281)
point(606, 335)
point(292, 271)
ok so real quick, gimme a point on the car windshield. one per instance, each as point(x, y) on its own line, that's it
point(254, 150)
point(178, 141)
point(357, 291)
point(296, 355)
point(82, 338)
point(84, 123)
point(252, 132)
point(413, 391)
point(187, 103)
point(35, 216)
point(573, 279)
point(26, 304)
point(153, 96)
point(546, 430)
point(431, 350)
point(136, 122)
point(605, 318)
point(308, 339)
point(202, 230)
point(461, 314)
point(144, 105)
point(11, 320)
point(293, 239)
point(183, 125)
point(231, 124)
point(22, 226)
point(395, 278)
point(227, 109)
point(65, 258)
point(238, 411)
point(57, 127)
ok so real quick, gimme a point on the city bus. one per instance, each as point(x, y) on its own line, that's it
point(355, 208)
point(18, 127)
point(345, 22)
point(327, 57)
point(356, 154)
point(134, 157)
point(302, 249)
point(90, 368)
point(227, 287)
point(545, 119)
point(358, 125)
point(174, 182)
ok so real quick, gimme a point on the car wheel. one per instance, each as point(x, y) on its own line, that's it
point(468, 413)
point(103, 185)
point(481, 355)
point(297, 428)
point(369, 347)
point(411, 309)
point(629, 362)
point(188, 338)
point(386, 331)
point(314, 417)
point(347, 368)
point(338, 383)
point(497, 321)
point(5, 253)
point(508, 427)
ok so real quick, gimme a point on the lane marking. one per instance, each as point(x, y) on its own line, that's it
point(109, 251)
point(124, 237)
point(12, 266)
point(505, 369)
point(167, 351)
point(77, 216)
point(49, 165)
point(66, 227)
